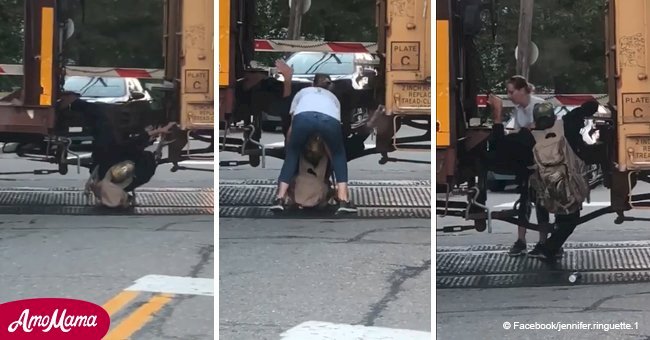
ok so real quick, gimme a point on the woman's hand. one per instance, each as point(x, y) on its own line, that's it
point(283, 68)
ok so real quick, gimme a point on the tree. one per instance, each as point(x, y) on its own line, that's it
point(124, 33)
point(11, 43)
point(571, 39)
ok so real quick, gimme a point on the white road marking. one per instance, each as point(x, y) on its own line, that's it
point(317, 330)
point(592, 204)
point(280, 144)
point(174, 285)
point(197, 162)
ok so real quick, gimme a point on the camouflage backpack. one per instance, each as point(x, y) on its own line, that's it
point(559, 176)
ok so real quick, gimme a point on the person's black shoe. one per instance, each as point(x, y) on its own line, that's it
point(346, 207)
point(547, 257)
point(278, 205)
point(517, 249)
point(537, 251)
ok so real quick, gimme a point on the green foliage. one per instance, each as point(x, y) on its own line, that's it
point(11, 44)
point(11, 22)
point(124, 33)
point(128, 33)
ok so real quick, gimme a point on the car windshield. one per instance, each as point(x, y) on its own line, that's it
point(96, 87)
point(327, 63)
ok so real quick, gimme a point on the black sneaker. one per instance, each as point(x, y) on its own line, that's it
point(346, 207)
point(537, 251)
point(517, 249)
point(547, 257)
point(278, 205)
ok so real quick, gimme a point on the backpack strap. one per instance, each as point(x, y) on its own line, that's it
point(558, 127)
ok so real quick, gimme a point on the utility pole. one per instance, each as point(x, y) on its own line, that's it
point(524, 38)
point(295, 19)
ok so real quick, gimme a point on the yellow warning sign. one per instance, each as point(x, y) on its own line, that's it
point(197, 81)
point(405, 56)
point(412, 96)
point(638, 149)
point(200, 114)
point(636, 108)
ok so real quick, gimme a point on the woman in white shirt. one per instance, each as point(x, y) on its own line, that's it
point(520, 93)
point(315, 110)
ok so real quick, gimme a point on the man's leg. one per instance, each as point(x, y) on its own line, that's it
point(145, 168)
point(566, 224)
point(519, 247)
point(543, 218)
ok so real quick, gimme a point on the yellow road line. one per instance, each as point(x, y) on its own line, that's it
point(118, 302)
point(139, 317)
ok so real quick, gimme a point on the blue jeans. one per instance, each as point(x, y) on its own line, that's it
point(303, 126)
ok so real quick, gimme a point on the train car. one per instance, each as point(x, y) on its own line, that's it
point(44, 131)
point(624, 129)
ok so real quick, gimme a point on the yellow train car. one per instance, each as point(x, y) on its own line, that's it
point(627, 59)
point(226, 76)
point(442, 75)
point(445, 94)
point(189, 60)
point(408, 58)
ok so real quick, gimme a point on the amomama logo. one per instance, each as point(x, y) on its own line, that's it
point(53, 319)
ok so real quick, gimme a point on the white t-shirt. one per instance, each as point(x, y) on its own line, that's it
point(524, 115)
point(316, 99)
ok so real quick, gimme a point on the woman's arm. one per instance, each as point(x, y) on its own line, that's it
point(498, 130)
point(287, 73)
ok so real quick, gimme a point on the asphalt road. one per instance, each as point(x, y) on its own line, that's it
point(140, 268)
point(277, 274)
point(481, 313)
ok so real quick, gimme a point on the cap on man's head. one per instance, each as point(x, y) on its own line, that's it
point(121, 174)
point(543, 109)
point(544, 115)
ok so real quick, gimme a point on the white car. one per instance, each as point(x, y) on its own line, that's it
point(111, 90)
point(107, 89)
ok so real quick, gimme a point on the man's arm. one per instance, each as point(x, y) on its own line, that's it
point(575, 118)
point(574, 121)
